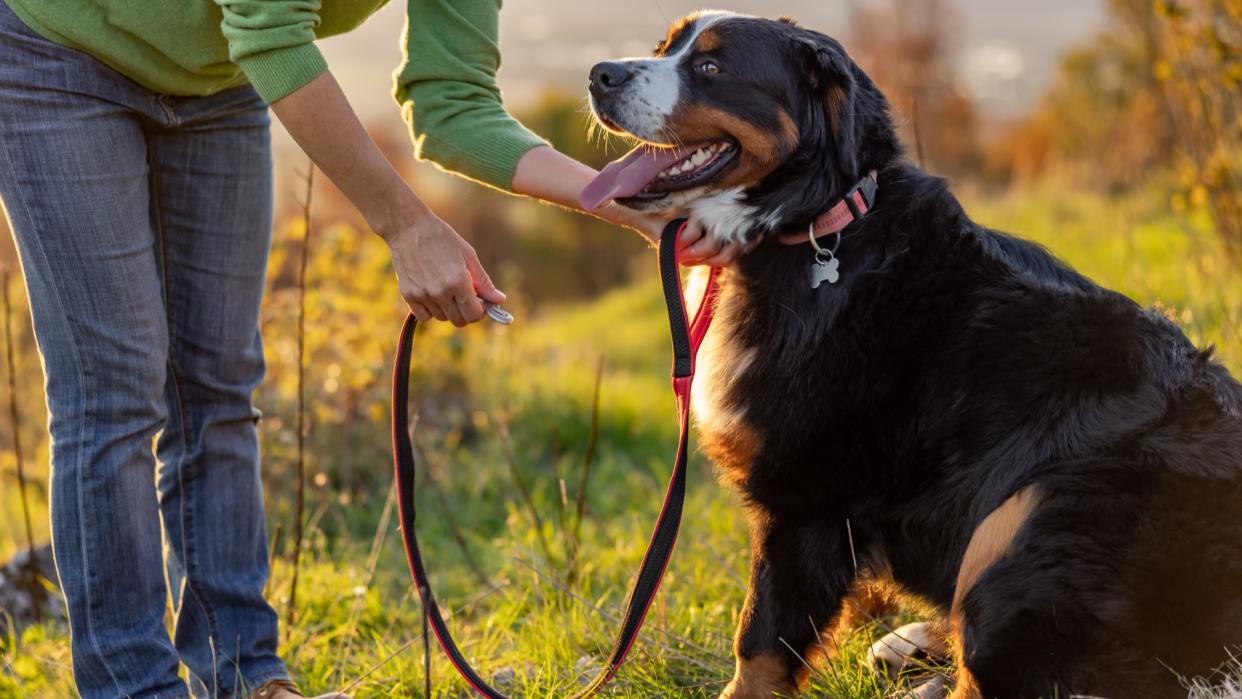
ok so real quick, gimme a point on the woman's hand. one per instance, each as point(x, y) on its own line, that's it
point(551, 176)
point(438, 272)
point(695, 245)
point(699, 248)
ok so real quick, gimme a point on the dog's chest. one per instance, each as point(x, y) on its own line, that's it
point(720, 409)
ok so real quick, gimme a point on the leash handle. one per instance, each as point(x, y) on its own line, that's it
point(687, 335)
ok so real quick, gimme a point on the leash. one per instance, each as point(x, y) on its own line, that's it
point(687, 335)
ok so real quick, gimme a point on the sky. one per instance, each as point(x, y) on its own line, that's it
point(1007, 53)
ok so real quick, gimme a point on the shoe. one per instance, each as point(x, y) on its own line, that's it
point(284, 689)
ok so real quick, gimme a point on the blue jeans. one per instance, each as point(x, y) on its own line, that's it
point(143, 223)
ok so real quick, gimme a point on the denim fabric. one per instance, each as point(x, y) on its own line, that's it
point(143, 224)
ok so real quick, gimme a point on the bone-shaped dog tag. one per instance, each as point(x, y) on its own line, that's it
point(824, 270)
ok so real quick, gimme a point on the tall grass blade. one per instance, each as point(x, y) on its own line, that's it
point(299, 509)
point(36, 588)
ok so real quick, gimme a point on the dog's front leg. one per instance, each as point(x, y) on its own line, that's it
point(799, 577)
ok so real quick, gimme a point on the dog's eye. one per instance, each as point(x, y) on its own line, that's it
point(708, 67)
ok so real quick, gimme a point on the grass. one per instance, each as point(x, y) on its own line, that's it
point(529, 630)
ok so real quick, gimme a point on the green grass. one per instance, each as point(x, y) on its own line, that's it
point(526, 624)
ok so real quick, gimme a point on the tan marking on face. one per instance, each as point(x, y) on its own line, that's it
point(708, 40)
point(991, 541)
point(762, 150)
point(761, 677)
point(837, 104)
point(674, 31)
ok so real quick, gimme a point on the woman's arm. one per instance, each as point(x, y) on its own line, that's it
point(547, 174)
point(437, 271)
point(448, 94)
point(544, 173)
point(273, 43)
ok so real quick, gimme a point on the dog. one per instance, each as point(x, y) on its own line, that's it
point(1055, 469)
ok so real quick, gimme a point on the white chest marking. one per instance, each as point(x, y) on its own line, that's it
point(718, 369)
point(725, 216)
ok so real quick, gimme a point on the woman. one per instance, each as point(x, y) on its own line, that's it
point(135, 170)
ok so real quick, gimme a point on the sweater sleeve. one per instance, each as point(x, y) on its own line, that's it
point(273, 42)
point(448, 94)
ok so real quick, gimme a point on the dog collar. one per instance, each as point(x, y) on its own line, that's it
point(852, 207)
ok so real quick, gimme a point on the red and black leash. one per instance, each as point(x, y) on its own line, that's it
point(687, 335)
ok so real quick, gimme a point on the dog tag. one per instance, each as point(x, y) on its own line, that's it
point(824, 270)
point(497, 313)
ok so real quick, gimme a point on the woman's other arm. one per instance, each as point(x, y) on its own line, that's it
point(437, 271)
point(449, 97)
point(273, 43)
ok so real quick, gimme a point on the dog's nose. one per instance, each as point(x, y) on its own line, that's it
point(608, 76)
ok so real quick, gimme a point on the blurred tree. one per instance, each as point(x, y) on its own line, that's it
point(1198, 64)
point(1154, 97)
point(906, 46)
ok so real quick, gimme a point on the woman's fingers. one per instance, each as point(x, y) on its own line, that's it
point(692, 233)
point(437, 310)
point(454, 299)
point(469, 309)
point(702, 248)
point(421, 314)
point(439, 274)
point(705, 248)
point(454, 313)
point(725, 256)
point(482, 281)
point(455, 303)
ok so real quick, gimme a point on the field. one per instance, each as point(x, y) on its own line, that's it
point(505, 434)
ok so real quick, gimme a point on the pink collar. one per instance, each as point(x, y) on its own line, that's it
point(852, 207)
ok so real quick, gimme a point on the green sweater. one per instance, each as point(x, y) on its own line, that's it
point(446, 85)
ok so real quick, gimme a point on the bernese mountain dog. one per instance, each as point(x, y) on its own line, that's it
point(951, 409)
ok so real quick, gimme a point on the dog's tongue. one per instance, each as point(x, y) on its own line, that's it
point(628, 175)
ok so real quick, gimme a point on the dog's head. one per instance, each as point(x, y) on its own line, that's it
point(758, 125)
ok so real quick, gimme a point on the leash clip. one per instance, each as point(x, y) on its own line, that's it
point(497, 313)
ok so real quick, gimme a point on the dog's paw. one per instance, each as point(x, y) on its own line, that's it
point(911, 646)
point(741, 690)
point(730, 691)
point(935, 688)
point(763, 677)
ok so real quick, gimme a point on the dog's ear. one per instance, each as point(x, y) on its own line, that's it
point(830, 73)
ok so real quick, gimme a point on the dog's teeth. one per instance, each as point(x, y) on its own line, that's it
point(700, 156)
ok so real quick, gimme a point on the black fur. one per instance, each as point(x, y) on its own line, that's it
point(827, 161)
point(949, 368)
